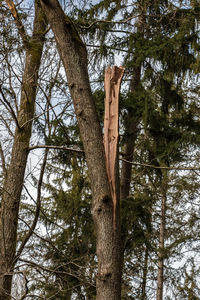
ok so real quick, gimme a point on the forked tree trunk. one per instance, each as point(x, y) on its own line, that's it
point(74, 56)
point(15, 175)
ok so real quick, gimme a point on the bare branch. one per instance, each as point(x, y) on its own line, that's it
point(36, 117)
point(55, 147)
point(4, 121)
point(3, 161)
point(9, 107)
point(26, 287)
point(18, 22)
point(38, 205)
point(122, 159)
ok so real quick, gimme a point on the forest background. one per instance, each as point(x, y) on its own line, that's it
point(57, 239)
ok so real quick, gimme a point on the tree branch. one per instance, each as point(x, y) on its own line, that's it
point(18, 22)
point(109, 22)
point(9, 107)
point(158, 167)
point(3, 161)
point(122, 159)
point(55, 147)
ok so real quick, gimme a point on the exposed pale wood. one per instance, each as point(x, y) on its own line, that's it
point(112, 82)
point(18, 22)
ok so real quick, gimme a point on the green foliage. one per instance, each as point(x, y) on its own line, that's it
point(136, 215)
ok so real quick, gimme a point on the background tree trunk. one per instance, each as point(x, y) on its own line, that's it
point(15, 175)
point(74, 56)
point(162, 237)
point(144, 278)
point(131, 133)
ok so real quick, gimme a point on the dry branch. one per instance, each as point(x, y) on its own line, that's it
point(55, 147)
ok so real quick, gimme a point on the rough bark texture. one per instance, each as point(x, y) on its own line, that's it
point(113, 77)
point(74, 56)
point(15, 176)
point(162, 239)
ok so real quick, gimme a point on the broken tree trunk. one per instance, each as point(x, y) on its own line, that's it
point(74, 56)
point(112, 82)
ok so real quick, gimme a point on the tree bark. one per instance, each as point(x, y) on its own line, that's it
point(15, 176)
point(74, 56)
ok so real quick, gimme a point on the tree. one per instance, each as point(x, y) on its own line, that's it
point(13, 182)
point(74, 57)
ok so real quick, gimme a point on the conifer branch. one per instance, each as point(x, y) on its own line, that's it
point(109, 22)
point(109, 47)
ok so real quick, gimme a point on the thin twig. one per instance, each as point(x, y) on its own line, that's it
point(9, 107)
point(36, 117)
point(158, 167)
point(8, 127)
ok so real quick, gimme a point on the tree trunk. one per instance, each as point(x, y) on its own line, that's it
point(74, 56)
point(162, 238)
point(131, 131)
point(15, 176)
point(131, 135)
point(144, 277)
point(131, 126)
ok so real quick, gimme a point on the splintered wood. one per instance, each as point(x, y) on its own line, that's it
point(112, 82)
point(12, 8)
